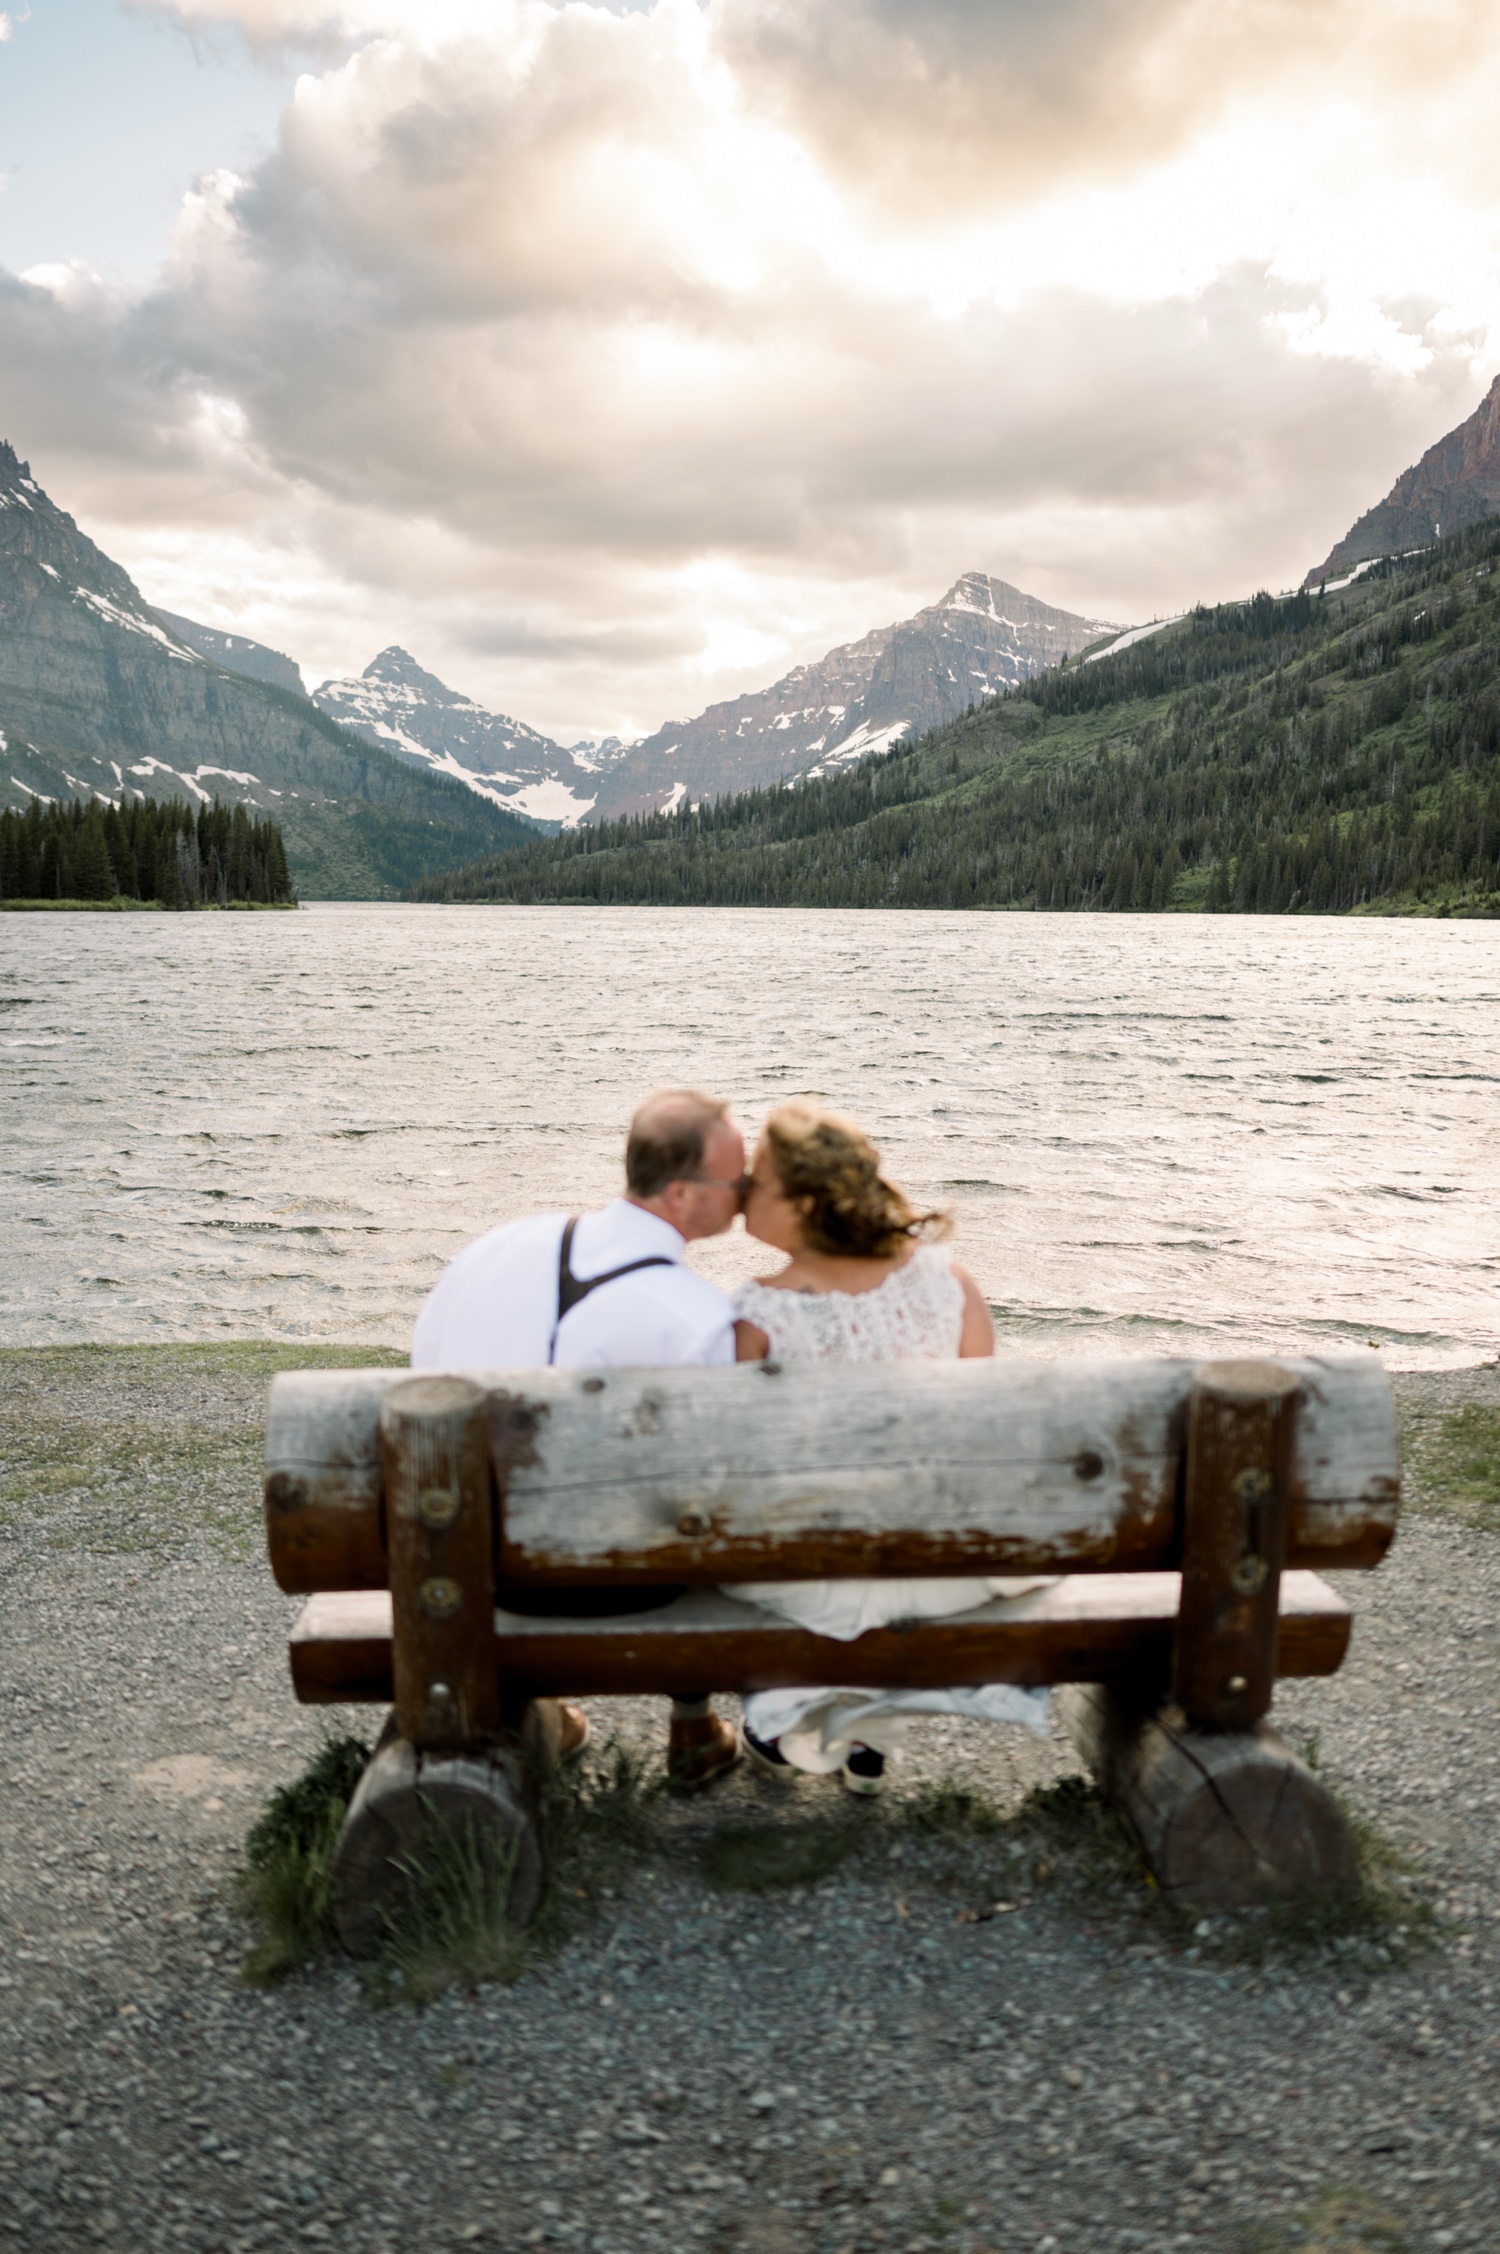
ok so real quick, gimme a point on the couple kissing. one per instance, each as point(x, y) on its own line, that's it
point(866, 1277)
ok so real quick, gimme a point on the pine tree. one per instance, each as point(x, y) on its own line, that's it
point(166, 882)
point(92, 876)
point(121, 854)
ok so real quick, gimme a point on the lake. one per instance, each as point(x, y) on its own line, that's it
point(1169, 1133)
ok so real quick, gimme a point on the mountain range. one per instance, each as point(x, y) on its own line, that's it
point(99, 692)
point(99, 695)
point(390, 776)
point(896, 682)
point(1456, 483)
point(1307, 754)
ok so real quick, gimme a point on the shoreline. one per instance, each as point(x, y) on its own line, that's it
point(363, 1350)
point(122, 907)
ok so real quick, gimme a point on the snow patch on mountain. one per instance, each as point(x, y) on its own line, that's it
point(858, 745)
point(1131, 635)
point(597, 754)
point(133, 624)
point(151, 767)
point(399, 705)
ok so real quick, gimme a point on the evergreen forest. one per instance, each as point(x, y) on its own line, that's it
point(1305, 754)
point(153, 850)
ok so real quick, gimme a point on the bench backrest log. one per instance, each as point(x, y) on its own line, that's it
point(759, 1472)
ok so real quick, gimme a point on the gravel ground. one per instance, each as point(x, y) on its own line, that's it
point(849, 2067)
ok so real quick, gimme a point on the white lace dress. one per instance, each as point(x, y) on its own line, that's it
point(916, 1315)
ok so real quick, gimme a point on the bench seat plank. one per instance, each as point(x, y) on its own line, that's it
point(1085, 1628)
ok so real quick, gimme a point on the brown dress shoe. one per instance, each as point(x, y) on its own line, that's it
point(700, 1748)
point(574, 1735)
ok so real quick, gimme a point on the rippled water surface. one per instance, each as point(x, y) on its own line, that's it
point(1157, 1132)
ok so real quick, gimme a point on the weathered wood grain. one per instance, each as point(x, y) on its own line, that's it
point(440, 1523)
point(1227, 1819)
point(325, 1522)
point(1086, 1628)
point(1240, 1425)
point(698, 1476)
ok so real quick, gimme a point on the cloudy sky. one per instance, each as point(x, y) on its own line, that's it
point(615, 358)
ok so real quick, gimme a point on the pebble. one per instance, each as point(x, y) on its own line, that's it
point(848, 2068)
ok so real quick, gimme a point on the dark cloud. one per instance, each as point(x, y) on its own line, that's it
point(914, 106)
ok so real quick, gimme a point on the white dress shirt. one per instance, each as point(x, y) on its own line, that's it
point(495, 1306)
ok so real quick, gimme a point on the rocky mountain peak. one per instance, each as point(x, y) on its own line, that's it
point(1457, 482)
point(975, 591)
point(102, 697)
point(45, 560)
point(980, 638)
point(396, 668)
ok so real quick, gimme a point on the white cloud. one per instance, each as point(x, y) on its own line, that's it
point(614, 360)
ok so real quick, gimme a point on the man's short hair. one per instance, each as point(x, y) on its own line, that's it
point(667, 1136)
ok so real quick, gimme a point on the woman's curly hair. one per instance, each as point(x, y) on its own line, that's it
point(831, 1169)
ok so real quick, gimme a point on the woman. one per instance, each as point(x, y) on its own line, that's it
point(867, 1279)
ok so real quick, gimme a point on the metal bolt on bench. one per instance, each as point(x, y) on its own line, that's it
point(1182, 1511)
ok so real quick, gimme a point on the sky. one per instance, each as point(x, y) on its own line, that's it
point(614, 359)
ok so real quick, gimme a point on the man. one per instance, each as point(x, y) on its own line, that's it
point(610, 1290)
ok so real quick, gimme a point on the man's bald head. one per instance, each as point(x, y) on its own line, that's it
point(667, 1139)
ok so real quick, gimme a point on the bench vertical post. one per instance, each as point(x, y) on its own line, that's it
point(1226, 1814)
point(446, 1770)
point(440, 1540)
point(1239, 1438)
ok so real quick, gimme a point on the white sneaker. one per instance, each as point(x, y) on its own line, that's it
point(864, 1771)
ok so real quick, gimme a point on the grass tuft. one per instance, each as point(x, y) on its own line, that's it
point(945, 1808)
point(1084, 1842)
point(456, 1930)
point(755, 1858)
point(289, 1855)
point(594, 1820)
point(1451, 1463)
point(595, 1817)
point(1340, 2221)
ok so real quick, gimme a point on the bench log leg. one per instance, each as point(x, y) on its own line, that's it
point(1226, 1815)
point(408, 1805)
point(1226, 1819)
point(456, 1760)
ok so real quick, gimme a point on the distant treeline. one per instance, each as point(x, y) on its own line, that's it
point(1299, 754)
point(153, 849)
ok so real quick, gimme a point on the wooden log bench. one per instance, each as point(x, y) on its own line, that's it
point(468, 1545)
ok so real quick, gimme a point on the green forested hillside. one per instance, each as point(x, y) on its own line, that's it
point(1316, 753)
point(145, 850)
